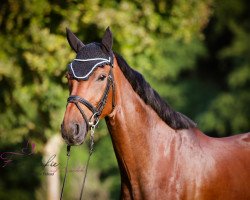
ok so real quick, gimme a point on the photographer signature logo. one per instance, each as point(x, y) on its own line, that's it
point(51, 167)
point(8, 157)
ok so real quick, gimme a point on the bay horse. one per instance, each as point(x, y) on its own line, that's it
point(161, 153)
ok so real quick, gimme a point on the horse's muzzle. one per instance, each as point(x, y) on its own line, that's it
point(73, 133)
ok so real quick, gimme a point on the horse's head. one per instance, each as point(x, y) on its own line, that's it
point(91, 85)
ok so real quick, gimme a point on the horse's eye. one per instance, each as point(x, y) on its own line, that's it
point(101, 77)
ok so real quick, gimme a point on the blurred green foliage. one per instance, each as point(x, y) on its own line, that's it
point(196, 54)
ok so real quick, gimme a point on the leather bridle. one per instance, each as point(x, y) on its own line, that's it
point(96, 111)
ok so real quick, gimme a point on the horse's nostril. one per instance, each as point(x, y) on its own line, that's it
point(77, 129)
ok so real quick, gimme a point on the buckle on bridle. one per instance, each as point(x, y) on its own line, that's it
point(94, 120)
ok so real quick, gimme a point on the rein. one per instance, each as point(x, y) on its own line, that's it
point(91, 123)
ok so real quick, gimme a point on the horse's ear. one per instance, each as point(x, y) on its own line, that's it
point(107, 40)
point(74, 42)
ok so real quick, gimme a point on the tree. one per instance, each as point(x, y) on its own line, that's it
point(228, 65)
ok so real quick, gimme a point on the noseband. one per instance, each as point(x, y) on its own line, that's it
point(96, 111)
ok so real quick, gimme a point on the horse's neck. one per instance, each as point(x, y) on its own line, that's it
point(138, 135)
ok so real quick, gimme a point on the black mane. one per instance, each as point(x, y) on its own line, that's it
point(173, 118)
